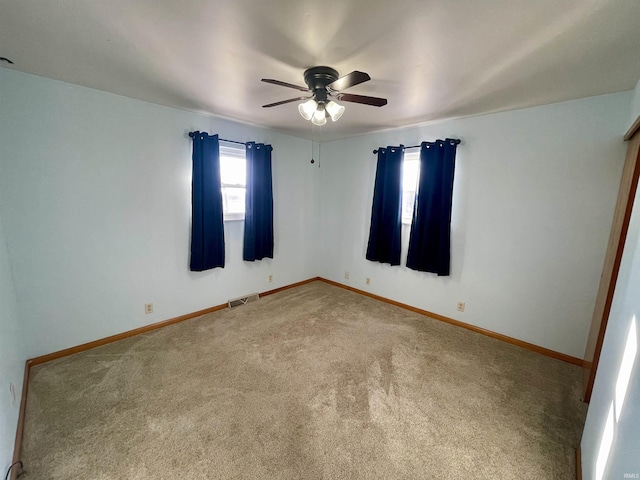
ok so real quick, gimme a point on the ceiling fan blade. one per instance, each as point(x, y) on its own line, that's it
point(285, 101)
point(285, 84)
point(374, 101)
point(349, 80)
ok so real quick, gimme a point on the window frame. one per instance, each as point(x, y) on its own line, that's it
point(412, 156)
point(236, 153)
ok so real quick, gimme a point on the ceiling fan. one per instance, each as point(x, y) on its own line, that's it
point(324, 85)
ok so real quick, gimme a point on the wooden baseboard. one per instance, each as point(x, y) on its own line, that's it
point(147, 328)
point(154, 326)
point(578, 463)
point(514, 341)
point(121, 336)
point(171, 321)
point(17, 451)
point(287, 287)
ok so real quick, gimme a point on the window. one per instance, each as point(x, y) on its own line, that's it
point(233, 181)
point(410, 173)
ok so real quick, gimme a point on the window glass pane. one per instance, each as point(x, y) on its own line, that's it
point(410, 169)
point(410, 173)
point(408, 201)
point(233, 199)
point(233, 170)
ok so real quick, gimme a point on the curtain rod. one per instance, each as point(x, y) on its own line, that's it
point(192, 134)
point(231, 141)
point(454, 141)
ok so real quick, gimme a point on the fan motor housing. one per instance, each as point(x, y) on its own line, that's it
point(317, 78)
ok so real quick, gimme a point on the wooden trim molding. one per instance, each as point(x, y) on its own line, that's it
point(578, 463)
point(154, 326)
point(287, 287)
point(514, 341)
point(171, 321)
point(611, 265)
point(632, 131)
point(17, 451)
point(121, 336)
point(147, 328)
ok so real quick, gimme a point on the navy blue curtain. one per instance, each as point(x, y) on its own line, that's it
point(258, 216)
point(386, 212)
point(430, 238)
point(207, 227)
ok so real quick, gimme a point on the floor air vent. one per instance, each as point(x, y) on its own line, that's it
point(236, 302)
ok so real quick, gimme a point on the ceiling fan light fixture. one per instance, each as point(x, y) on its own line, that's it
point(308, 108)
point(334, 110)
point(319, 117)
point(323, 83)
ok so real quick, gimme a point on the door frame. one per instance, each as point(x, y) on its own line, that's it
point(613, 258)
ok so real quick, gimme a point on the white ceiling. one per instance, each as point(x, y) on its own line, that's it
point(432, 59)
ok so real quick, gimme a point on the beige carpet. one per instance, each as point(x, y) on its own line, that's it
point(311, 383)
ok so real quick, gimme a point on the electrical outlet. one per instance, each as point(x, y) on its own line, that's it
point(367, 281)
point(12, 389)
point(270, 278)
point(461, 306)
point(148, 308)
point(346, 275)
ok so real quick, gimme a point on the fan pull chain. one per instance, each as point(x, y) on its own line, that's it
point(313, 135)
point(318, 141)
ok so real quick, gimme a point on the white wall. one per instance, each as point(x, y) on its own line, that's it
point(12, 357)
point(97, 196)
point(98, 199)
point(624, 456)
point(534, 195)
